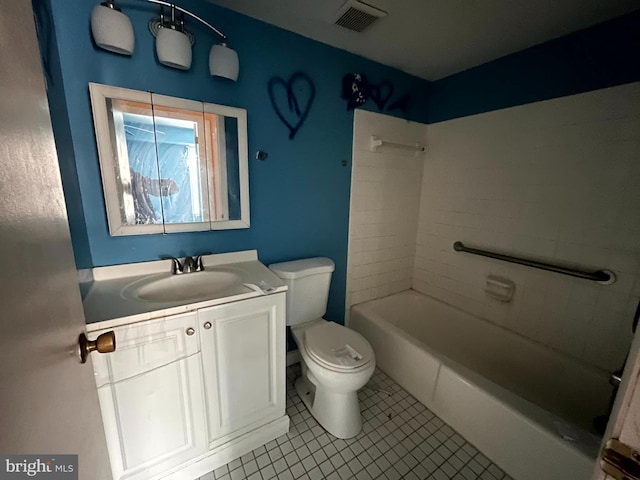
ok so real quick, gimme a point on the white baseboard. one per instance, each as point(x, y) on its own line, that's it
point(293, 357)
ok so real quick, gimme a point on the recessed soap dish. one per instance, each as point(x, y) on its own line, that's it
point(500, 288)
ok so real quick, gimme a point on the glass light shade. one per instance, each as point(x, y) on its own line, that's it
point(223, 62)
point(112, 30)
point(173, 48)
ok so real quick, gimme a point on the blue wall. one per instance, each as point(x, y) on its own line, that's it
point(601, 56)
point(299, 196)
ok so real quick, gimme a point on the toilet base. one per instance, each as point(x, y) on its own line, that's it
point(337, 413)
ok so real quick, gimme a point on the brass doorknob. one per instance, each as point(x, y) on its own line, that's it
point(105, 343)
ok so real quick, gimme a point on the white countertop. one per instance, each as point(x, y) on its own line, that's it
point(105, 306)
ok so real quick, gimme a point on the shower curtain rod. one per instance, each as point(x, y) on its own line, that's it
point(605, 277)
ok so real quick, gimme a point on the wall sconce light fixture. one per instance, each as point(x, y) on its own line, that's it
point(112, 31)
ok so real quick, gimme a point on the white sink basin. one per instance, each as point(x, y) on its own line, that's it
point(145, 290)
point(189, 286)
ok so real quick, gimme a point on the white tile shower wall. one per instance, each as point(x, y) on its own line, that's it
point(557, 181)
point(385, 198)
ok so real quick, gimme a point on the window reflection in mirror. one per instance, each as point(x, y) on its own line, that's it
point(170, 164)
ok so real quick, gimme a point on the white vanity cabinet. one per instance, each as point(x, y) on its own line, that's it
point(243, 355)
point(151, 397)
point(185, 394)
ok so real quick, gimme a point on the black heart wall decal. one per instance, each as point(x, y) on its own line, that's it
point(401, 104)
point(297, 90)
point(381, 93)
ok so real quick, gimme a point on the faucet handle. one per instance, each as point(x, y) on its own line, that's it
point(176, 267)
point(199, 265)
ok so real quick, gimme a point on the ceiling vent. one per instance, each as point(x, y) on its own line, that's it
point(357, 16)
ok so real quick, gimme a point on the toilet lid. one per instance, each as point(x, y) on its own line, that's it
point(337, 347)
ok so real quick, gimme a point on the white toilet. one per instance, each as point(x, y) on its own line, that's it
point(336, 361)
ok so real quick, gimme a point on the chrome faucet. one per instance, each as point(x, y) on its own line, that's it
point(189, 264)
point(176, 266)
point(198, 261)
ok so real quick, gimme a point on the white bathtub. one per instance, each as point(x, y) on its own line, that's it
point(512, 398)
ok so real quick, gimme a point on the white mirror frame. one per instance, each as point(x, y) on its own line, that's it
point(108, 158)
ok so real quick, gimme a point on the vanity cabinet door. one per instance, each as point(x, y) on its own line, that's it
point(151, 397)
point(243, 354)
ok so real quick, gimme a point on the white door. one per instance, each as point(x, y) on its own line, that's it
point(624, 423)
point(243, 352)
point(48, 402)
point(151, 397)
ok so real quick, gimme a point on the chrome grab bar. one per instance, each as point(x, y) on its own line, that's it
point(605, 277)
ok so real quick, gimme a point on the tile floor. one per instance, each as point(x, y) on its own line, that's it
point(400, 439)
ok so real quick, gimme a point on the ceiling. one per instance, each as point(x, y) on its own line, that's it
point(436, 38)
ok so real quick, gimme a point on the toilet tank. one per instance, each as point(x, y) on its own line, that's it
point(308, 281)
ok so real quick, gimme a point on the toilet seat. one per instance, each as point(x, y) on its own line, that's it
point(336, 347)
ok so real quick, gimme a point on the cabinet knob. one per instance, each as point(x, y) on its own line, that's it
point(105, 343)
point(190, 331)
point(207, 325)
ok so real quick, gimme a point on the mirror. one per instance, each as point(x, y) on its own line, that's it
point(170, 164)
